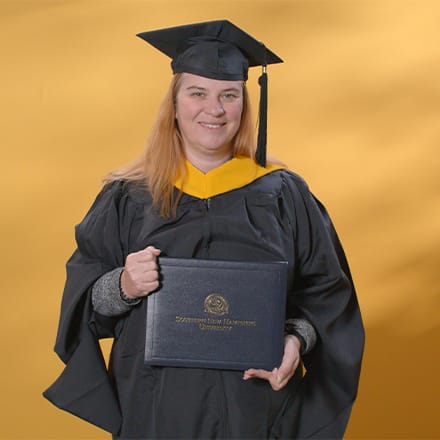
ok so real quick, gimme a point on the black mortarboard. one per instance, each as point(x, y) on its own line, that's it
point(218, 50)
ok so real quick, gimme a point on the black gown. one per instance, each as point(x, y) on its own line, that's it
point(256, 215)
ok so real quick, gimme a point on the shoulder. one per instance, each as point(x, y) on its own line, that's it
point(292, 178)
point(123, 191)
point(292, 190)
point(282, 180)
point(116, 202)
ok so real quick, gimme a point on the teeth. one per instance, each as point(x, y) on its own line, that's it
point(212, 125)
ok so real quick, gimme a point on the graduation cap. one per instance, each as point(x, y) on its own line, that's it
point(217, 50)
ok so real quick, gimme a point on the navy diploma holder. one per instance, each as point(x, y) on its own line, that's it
point(217, 314)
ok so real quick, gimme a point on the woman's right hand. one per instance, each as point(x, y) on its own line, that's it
point(140, 275)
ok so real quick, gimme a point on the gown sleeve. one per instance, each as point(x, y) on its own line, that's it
point(323, 293)
point(84, 388)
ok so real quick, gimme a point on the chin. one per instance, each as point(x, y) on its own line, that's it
point(217, 144)
point(217, 149)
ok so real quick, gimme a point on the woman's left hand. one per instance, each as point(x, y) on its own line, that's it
point(279, 377)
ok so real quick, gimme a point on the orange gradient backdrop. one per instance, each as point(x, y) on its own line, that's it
point(354, 109)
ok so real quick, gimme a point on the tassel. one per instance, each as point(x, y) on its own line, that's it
point(260, 154)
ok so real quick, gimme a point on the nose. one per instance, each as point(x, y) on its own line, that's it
point(214, 107)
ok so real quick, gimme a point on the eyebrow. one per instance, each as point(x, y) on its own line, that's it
point(230, 89)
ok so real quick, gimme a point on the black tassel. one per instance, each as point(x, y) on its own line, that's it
point(260, 154)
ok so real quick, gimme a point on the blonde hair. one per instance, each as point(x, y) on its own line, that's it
point(163, 159)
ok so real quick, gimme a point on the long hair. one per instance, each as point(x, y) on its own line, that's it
point(163, 159)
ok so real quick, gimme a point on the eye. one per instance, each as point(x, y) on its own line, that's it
point(198, 94)
point(230, 96)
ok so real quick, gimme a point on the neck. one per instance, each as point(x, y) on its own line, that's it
point(206, 164)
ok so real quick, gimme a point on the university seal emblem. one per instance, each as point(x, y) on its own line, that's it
point(216, 304)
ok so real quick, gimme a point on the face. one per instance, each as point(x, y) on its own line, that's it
point(208, 113)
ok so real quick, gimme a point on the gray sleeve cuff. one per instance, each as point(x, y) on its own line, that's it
point(304, 331)
point(106, 298)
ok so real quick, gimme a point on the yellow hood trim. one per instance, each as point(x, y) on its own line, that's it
point(233, 174)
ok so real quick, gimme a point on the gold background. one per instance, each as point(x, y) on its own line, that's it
point(355, 109)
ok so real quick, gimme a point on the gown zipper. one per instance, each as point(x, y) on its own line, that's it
point(206, 228)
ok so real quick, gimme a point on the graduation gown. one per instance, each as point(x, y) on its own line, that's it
point(239, 211)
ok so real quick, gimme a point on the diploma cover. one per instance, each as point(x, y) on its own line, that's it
point(217, 314)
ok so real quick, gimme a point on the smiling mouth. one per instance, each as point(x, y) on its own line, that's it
point(212, 126)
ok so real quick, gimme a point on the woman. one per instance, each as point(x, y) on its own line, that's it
point(202, 191)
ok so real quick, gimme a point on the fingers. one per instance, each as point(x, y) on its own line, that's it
point(138, 285)
point(279, 377)
point(150, 253)
point(275, 379)
point(257, 374)
point(141, 273)
point(156, 252)
point(146, 258)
